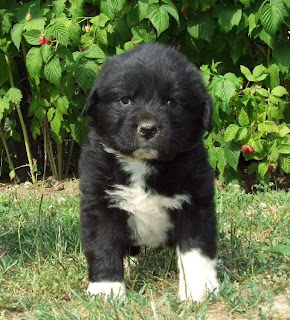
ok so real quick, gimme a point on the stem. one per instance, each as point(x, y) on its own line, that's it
point(23, 126)
point(69, 158)
point(59, 160)
point(10, 163)
point(49, 151)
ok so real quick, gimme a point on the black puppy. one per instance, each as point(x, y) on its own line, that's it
point(144, 173)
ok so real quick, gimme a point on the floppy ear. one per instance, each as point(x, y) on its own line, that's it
point(91, 103)
point(207, 114)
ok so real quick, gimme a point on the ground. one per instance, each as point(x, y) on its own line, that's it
point(43, 271)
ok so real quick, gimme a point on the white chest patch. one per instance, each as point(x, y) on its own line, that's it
point(149, 221)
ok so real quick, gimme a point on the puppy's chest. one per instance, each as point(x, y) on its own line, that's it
point(148, 212)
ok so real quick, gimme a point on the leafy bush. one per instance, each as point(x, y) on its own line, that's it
point(51, 52)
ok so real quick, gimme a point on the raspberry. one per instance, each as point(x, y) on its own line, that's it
point(245, 149)
point(41, 40)
point(46, 41)
point(251, 150)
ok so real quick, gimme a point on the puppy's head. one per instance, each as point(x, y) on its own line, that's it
point(149, 103)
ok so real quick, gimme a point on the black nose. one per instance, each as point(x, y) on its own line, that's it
point(147, 130)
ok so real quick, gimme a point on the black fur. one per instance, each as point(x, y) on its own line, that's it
point(149, 75)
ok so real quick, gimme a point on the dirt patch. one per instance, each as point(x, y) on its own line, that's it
point(49, 187)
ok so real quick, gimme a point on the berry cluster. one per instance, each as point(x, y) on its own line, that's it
point(247, 149)
point(43, 40)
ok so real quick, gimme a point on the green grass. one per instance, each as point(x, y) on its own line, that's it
point(43, 271)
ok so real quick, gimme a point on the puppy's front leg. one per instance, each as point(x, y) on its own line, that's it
point(104, 241)
point(196, 255)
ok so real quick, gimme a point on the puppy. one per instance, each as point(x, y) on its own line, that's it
point(144, 173)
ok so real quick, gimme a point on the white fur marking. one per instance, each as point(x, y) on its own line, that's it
point(197, 275)
point(148, 221)
point(107, 288)
point(144, 153)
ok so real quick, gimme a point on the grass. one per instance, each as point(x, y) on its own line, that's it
point(43, 271)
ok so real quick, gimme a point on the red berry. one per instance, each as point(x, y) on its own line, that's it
point(41, 40)
point(46, 41)
point(251, 150)
point(245, 149)
point(270, 168)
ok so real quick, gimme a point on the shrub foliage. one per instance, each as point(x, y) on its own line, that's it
point(51, 52)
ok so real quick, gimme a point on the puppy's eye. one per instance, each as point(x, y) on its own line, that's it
point(125, 100)
point(172, 103)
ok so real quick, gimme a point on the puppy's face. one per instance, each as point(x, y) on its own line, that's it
point(149, 103)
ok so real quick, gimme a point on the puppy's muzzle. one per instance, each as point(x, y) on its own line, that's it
point(147, 130)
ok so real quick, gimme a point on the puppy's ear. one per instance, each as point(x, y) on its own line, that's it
point(207, 113)
point(91, 103)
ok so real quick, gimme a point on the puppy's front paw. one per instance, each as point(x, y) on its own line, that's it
point(197, 276)
point(106, 288)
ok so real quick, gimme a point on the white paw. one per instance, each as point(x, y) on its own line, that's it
point(197, 276)
point(115, 289)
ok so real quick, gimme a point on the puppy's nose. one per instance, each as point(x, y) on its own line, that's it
point(147, 130)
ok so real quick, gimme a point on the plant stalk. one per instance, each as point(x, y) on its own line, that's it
point(59, 160)
point(49, 151)
point(22, 123)
point(10, 163)
point(69, 158)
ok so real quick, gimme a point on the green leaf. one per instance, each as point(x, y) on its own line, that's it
point(40, 113)
point(267, 38)
point(284, 149)
point(282, 56)
point(228, 17)
point(201, 27)
point(252, 168)
point(79, 130)
point(231, 132)
point(52, 71)
point(100, 20)
point(252, 23)
point(74, 30)
point(259, 70)
point(263, 92)
point(4, 106)
point(285, 163)
point(50, 114)
point(35, 128)
point(272, 15)
point(242, 133)
point(274, 71)
point(172, 11)
point(283, 130)
point(243, 118)
point(94, 52)
point(34, 61)
point(268, 127)
point(142, 34)
point(247, 73)
point(62, 105)
point(14, 95)
point(35, 24)
point(55, 123)
point(221, 164)
point(262, 168)
point(158, 17)
point(32, 37)
point(223, 88)
point(115, 6)
point(60, 32)
point(232, 154)
point(46, 52)
point(86, 73)
point(16, 34)
point(279, 91)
